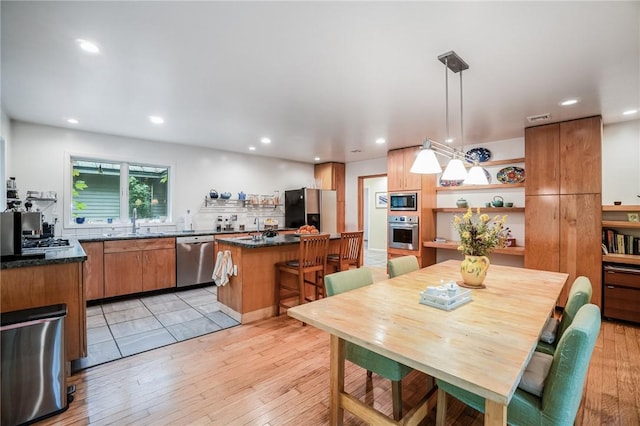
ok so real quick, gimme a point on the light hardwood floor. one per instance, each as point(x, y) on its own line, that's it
point(276, 372)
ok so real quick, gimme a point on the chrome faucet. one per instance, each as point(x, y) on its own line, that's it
point(257, 223)
point(135, 217)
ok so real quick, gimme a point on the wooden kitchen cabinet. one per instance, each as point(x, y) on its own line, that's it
point(44, 285)
point(399, 162)
point(134, 266)
point(564, 158)
point(563, 163)
point(622, 293)
point(93, 270)
point(332, 176)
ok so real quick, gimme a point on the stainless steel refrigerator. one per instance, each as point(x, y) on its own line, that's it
point(307, 206)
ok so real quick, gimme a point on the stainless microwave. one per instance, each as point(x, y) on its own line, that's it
point(407, 201)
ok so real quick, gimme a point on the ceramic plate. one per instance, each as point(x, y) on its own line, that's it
point(480, 154)
point(487, 174)
point(450, 182)
point(511, 175)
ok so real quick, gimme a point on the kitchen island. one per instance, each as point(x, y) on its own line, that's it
point(250, 295)
point(55, 277)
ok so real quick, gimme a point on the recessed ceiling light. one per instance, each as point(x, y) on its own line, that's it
point(72, 121)
point(156, 119)
point(630, 112)
point(88, 46)
point(569, 102)
point(252, 148)
point(380, 141)
point(265, 140)
point(317, 159)
point(448, 140)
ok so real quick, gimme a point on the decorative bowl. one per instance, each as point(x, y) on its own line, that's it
point(225, 195)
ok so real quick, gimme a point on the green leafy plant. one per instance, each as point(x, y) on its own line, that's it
point(78, 185)
point(139, 197)
point(480, 235)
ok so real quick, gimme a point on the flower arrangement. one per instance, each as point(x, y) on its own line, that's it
point(480, 235)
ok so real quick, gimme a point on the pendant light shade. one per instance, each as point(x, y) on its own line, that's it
point(455, 170)
point(476, 176)
point(426, 162)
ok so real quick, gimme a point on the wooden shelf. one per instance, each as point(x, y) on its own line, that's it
point(628, 208)
point(487, 210)
point(497, 162)
point(629, 259)
point(620, 224)
point(453, 245)
point(476, 187)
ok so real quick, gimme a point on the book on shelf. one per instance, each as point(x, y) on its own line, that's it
point(618, 243)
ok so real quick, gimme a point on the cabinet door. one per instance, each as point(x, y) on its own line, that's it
point(93, 270)
point(122, 273)
point(541, 157)
point(580, 156)
point(412, 181)
point(580, 241)
point(395, 170)
point(159, 270)
point(542, 236)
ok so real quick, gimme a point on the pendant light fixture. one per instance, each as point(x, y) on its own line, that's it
point(426, 161)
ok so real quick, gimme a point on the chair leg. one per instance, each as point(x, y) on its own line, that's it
point(369, 373)
point(396, 396)
point(301, 297)
point(441, 408)
point(277, 291)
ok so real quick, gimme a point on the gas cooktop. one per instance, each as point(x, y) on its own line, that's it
point(45, 243)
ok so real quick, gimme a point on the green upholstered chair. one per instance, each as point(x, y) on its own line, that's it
point(352, 279)
point(563, 386)
point(579, 295)
point(402, 265)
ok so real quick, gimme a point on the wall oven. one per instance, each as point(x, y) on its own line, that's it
point(404, 232)
point(403, 201)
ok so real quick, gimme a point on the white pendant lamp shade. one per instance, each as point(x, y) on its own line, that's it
point(455, 170)
point(476, 177)
point(426, 162)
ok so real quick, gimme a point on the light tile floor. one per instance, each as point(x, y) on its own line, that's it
point(375, 257)
point(123, 328)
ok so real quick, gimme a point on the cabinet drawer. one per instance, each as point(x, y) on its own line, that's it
point(622, 278)
point(622, 303)
point(139, 244)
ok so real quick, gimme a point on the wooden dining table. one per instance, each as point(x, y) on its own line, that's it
point(482, 346)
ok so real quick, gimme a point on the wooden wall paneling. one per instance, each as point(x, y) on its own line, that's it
point(542, 163)
point(428, 218)
point(35, 286)
point(580, 236)
point(542, 236)
point(581, 156)
point(333, 178)
point(93, 270)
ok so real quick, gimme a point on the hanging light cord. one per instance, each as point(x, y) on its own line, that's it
point(446, 96)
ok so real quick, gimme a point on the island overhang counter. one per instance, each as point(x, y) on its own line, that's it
point(250, 293)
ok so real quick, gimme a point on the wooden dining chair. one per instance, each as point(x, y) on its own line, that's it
point(312, 259)
point(350, 252)
point(402, 265)
point(352, 279)
point(579, 295)
point(552, 385)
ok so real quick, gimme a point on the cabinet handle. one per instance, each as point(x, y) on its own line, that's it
point(610, 286)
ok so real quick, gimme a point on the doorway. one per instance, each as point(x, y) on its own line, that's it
point(372, 218)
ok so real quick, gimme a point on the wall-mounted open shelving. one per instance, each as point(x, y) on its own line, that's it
point(453, 245)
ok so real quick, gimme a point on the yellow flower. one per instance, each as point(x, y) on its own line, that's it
point(456, 220)
point(466, 235)
point(484, 217)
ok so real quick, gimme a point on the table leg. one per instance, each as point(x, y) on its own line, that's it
point(495, 413)
point(336, 380)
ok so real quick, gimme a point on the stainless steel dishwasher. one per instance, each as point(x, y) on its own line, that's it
point(194, 260)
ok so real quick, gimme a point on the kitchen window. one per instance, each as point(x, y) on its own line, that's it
point(106, 191)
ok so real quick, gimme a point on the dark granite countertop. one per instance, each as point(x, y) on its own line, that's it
point(279, 240)
point(143, 235)
point(71, 254)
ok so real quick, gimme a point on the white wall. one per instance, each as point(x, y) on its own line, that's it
point(38, 162)
point(353, 170)
point(5, 149)
point(621, 163)
point(377, 219)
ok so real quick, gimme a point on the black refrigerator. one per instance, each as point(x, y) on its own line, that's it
point(307, 206)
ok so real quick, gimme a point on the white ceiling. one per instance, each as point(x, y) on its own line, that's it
point(318, 78)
